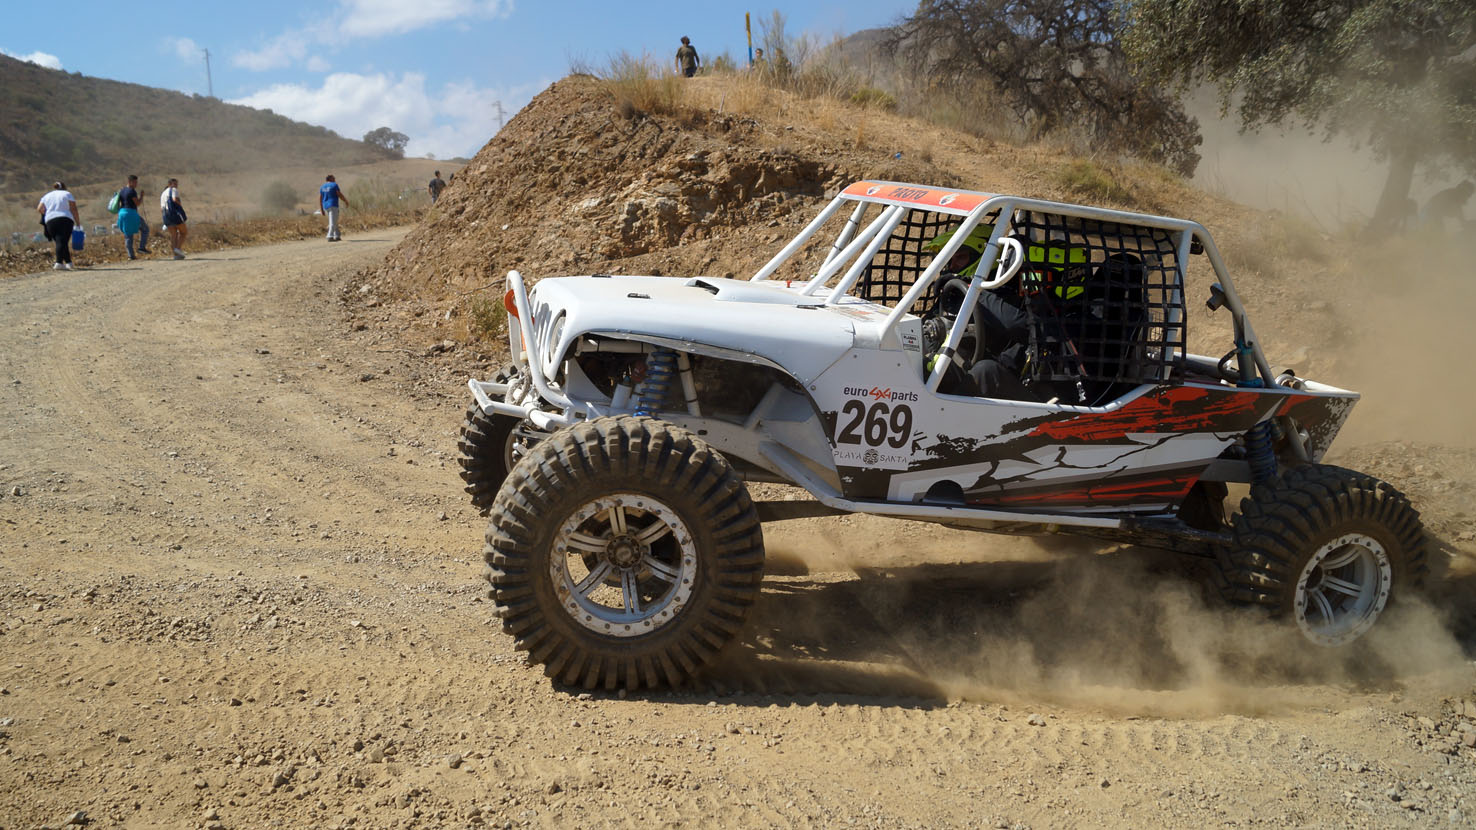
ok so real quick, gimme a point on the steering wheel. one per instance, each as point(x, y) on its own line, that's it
point(949, 307)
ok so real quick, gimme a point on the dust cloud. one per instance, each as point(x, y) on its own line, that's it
point(1404, 340)
point(1334, 183)
point(946, 614)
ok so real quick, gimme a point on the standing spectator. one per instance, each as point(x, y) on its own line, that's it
point(686, 58)
point(130, 220)
point(58, 210)
point(329, 195)
point(173, 213)
point(435, 187)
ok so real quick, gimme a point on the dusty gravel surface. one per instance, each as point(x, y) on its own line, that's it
point(239, 587)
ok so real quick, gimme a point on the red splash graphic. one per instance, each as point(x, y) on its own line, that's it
point(1179, 410)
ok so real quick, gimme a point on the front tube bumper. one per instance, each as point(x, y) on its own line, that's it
point(528, 360)
point(483, 392)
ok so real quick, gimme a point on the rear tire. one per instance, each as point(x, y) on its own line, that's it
point(489, 446)
point(623, 552)
point(1325, 547)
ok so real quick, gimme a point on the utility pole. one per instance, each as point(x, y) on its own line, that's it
point(499, 115)
point(209, 83)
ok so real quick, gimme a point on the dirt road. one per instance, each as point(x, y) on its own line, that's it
point(239, 588)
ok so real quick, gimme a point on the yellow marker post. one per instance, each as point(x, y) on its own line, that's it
point(748, 27)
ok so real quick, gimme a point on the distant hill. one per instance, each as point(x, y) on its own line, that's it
point(56, 124)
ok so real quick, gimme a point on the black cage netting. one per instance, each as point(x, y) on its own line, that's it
point(899, 263)
point(1100, 296)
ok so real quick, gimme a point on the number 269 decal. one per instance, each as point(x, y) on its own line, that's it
point(875, 425)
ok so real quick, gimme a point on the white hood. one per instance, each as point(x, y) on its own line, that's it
point(767, 319)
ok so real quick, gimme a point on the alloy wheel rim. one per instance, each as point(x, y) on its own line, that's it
point(623, 565)
point(1342, 589)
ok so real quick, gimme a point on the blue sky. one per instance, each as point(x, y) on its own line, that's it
point(432, 69)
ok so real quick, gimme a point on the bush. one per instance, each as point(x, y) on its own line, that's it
point(485, 316)
point(1087, 180)
point(870, 96)
point(278, 197)
point(640, 84)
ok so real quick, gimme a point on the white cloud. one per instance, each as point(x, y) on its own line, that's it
point(350, 104)
point(456, 121)
point(283, 50)
point(184, 48)
point(363, 19)
point(39, 58)
point(372, 18)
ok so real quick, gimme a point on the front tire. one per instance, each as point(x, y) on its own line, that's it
point(623, 552)
point(490, 445)
point(1325, 547)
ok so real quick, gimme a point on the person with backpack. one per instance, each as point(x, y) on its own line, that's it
point(173, 213)
point(125, 203)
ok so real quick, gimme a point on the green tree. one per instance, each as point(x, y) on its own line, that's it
point(1058, 64)
point(388, 140)
point(1399, 75)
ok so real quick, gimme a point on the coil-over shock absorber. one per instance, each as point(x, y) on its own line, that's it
point(661, 366)
point(1260, 449)
point(1260, 452)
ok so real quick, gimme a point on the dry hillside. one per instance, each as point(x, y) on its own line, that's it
point(56, 124)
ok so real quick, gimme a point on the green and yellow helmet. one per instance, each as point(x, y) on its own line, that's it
point(978, 240)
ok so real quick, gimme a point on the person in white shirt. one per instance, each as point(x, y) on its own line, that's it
point(58, 210)
point(172, 209)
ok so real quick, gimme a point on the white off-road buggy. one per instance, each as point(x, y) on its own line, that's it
point(611, 455)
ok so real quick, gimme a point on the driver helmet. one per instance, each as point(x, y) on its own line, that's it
point(976, 241)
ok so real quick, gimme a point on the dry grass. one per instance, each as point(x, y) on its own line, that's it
point(485, 316)
point(641, 84)
point(1091, 182)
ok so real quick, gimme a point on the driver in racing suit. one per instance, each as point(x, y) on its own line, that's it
point(1006, 325)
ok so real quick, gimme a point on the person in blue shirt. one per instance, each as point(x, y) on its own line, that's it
point(329, 195)
point(130, 218)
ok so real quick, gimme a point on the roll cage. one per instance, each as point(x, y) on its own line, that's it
point(858, 252)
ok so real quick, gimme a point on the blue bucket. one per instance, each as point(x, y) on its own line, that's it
point(79, 237)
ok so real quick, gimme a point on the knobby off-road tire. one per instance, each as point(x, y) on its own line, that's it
point(1325, 547)
point(488, 447)
point(623, 552)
